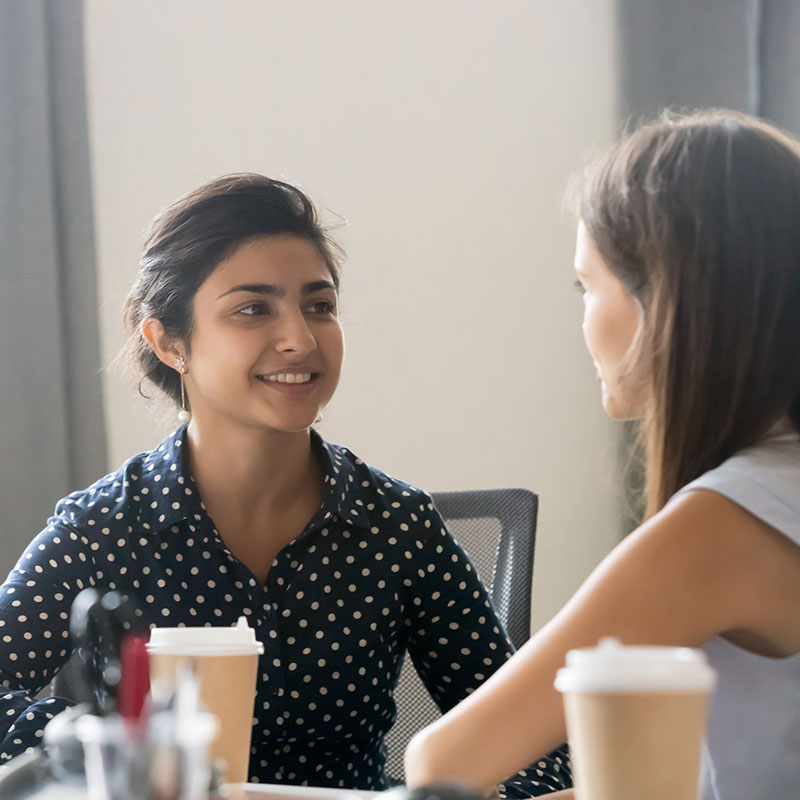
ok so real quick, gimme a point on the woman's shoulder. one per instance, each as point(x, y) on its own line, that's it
point(137, 490)
point(373, 478)
point(378, 498)
point(764, 480)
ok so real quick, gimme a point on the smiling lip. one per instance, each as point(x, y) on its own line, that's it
point(291, 388)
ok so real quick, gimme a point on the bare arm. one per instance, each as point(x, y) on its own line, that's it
point(701, 567)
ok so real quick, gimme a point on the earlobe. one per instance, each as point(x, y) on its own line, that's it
point(167, 350)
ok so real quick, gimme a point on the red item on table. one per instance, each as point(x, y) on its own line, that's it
point(134, 684)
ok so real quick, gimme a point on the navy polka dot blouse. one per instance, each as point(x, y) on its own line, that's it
point(374, 574)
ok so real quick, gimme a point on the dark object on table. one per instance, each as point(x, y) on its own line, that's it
point(101, 623)
point(98, 624)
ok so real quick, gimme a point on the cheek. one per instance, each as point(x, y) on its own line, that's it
point(225, 337)
point(609, 332)
point(592, 330)
point(333, 342)
point(219, 350)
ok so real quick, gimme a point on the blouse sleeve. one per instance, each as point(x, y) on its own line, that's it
point(35, 603)
point(457, 642)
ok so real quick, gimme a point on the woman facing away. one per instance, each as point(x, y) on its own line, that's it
point(245, 510)
point(688, 257)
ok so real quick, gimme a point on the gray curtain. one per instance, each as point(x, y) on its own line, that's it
point(740, 54)
point(780, 63)
point(687, 53)
point(52, 432)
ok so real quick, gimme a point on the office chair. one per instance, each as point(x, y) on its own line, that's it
point(497, 529)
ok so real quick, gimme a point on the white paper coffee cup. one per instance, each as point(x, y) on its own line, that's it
point(636, 717)
point(225, 662)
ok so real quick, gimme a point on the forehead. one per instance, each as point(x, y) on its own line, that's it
point(280, 260)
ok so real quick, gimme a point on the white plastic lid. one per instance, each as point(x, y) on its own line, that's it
point(614, 667)
point(238, 640)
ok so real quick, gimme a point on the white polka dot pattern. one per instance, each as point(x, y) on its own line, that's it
point(374, 573)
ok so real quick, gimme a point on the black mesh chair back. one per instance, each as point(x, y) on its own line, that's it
point(497, 529)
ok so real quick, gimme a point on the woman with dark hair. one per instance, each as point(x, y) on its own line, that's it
point(245, 510)
point(688, 259)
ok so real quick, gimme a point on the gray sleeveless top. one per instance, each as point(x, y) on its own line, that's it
point(754, 724)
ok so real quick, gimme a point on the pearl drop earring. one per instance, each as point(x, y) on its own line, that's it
point(183, 415)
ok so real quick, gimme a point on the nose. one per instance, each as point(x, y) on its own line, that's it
point(294, 334)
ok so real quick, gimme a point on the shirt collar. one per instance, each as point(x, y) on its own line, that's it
point(343, 484)
point(164, 469)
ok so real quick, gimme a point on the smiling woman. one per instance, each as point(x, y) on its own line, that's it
point(245, 510)
point(265, 317)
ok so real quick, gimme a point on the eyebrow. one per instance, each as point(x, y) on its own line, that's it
point(276, 291)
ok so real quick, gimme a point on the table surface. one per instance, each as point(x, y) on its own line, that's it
point(280, 792)
point(25, 777)
point(248, 791)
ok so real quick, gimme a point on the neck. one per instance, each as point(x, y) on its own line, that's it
point(250, 468)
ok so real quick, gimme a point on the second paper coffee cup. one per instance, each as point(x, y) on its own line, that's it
point(225, 661)
point(636, 720)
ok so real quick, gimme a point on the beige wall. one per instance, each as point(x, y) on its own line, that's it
point(445, 131)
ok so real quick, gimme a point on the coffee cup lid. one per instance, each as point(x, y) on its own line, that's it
point(239, 639)
point(614, 667)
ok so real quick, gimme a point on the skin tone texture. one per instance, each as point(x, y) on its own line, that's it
point(701, 567)
point(270, 308)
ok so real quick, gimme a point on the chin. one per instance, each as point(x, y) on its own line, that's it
point(618, 408)
point(611, 410)
point(616, 414)
point(292, 426)
point(622, 412)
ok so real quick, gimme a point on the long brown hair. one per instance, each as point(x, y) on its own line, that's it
point(699, 216)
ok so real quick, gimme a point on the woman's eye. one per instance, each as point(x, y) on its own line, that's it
point(253, 310)
point(579, 287)
point(323, 307)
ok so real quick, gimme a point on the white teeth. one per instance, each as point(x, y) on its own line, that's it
point(290, 377)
